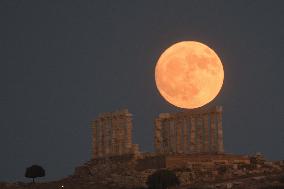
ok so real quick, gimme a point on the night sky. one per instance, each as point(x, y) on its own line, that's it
point(64, 62)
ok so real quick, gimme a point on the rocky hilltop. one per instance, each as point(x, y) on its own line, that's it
point(188, 143)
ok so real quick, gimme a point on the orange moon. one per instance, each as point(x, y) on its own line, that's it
point(189, 74)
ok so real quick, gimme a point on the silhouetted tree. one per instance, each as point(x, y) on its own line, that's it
point(162, 179)
point(34, 171)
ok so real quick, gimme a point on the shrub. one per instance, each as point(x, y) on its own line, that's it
point(162, 179)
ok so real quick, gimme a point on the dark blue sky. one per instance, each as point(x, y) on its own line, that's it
point(64, 62)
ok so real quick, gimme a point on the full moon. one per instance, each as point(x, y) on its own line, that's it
point(189, 74)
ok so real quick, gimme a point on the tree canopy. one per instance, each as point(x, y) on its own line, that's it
point(34, 171)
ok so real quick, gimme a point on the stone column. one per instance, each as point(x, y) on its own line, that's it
point(213, 133)
point(95, 151)
point(114, 141)
point(104, 137)
point(105, 141)
point(107, 135)
point(172, 136)
point(199, 142)
point(158, 136)
point(206, 133)
point(192, 135)
point(120, 135)
point(110, 135)
point(99, 138)
point(124, 138)
point(185, 135)
point(167, 140)
point(128, 144)
point(220, 148)
point(178, 126)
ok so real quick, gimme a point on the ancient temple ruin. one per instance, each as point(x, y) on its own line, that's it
point(112, 134)
point(190, 132)
point(190, 143)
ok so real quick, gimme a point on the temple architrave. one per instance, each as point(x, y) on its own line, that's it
point(189, 132)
